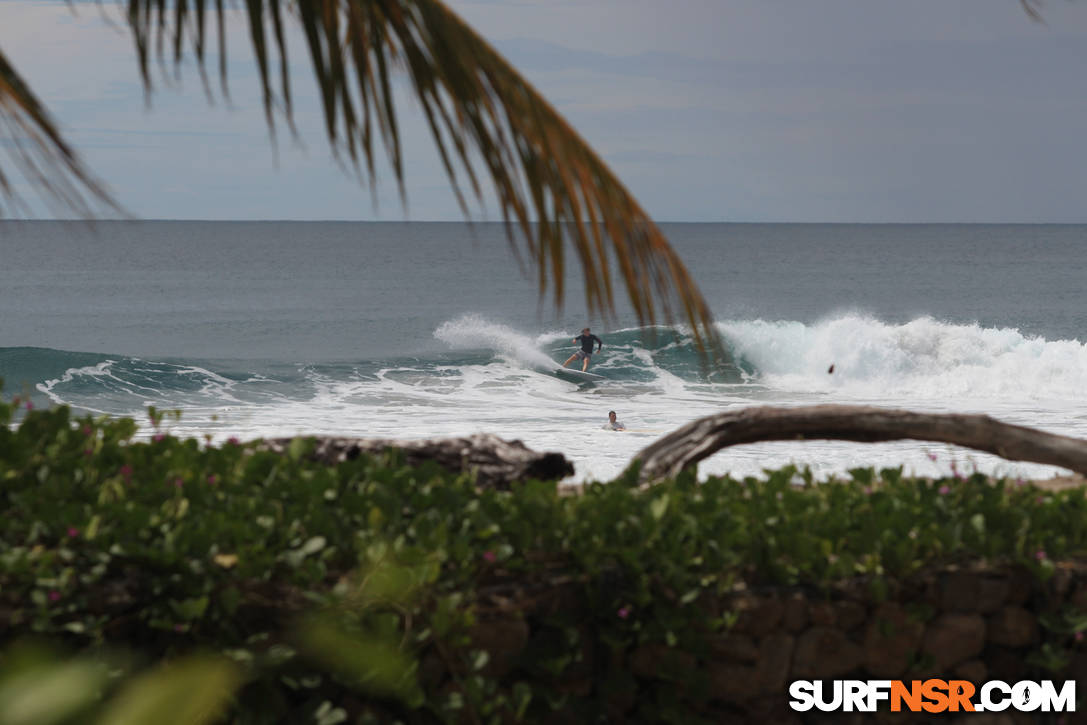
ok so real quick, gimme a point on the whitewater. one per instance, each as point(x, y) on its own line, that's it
point(415, 330)
point(492, 377)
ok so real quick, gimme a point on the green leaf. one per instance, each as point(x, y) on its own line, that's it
point(189, 691)
point(46, 693)
point(190, 609)
point(371, 664)
point(977, 522)
point(479, 659)
point(658, 507)
point(326, 714)
point(92, 528)
point(313, 545)
point(298, 448)
point(522, 697)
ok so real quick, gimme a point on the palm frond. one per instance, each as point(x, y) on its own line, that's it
point(35, 147)
point(549, 182)
point(485, 118)
point(1033, 8)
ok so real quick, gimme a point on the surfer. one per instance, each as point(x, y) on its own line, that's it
point(612, 423)
point(585, 339)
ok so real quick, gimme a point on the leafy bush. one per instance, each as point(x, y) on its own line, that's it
point(359, 590)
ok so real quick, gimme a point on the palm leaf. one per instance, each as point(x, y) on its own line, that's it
point(481, 112)
point(35, 147)
point(486, 119)
point(1032, 8)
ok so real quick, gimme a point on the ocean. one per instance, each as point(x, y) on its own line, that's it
point(409, 330)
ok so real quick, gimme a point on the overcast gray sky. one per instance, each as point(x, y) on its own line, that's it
point(710, 110)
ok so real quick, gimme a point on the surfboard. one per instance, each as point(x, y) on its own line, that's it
point(577, 376)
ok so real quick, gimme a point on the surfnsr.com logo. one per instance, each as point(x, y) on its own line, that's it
point(932, 696)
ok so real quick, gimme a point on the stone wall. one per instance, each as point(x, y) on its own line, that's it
point(972, 623)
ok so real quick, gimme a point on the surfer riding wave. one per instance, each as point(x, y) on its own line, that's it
point(585, 339)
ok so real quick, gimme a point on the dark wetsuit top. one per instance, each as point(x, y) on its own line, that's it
point(587, 343)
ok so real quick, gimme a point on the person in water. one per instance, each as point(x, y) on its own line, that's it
point(612, 423)
point(585, 339)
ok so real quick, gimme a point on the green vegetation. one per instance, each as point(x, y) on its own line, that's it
point(285, 590)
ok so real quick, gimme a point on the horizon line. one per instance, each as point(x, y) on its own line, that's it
point(471, 222)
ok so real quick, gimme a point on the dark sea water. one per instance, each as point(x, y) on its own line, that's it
point(410, 330)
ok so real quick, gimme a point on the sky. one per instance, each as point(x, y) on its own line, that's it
point(709, 110)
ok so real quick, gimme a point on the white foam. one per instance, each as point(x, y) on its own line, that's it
point(473, 332)
point(101, 370)
point(922, 359)
point(924, 364)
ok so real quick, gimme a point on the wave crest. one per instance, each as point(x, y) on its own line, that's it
point(924, 358)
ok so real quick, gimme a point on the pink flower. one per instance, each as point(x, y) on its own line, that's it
point(1079, 636)
point(867, 490)
point(87, 430)
point(1040, 554)
point(178, 482)
point(158, 437)
point(489, 557)
point(944, 490)
point(213, 479)
point(29, 405)
point(233, 440)
point(1020, 482)
point(88, 452)
point(72, 532)
point(126, 471)
point(179, 627)
point(931, 457)
point(623, 612)
point(54, 595)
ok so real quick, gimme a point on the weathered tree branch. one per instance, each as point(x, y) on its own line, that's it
point(686, 446)
point(497, 462)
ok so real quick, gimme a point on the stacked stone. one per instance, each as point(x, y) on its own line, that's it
point(973, 624)
point(969, 624)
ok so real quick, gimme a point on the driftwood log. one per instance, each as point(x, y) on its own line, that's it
point(497, 463)
point(686, 446)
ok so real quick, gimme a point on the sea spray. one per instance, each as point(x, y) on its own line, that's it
point(494, 377)
point(471, 332)
point(922, 359)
